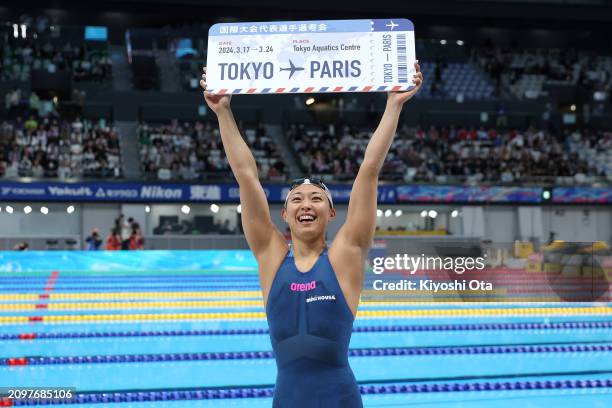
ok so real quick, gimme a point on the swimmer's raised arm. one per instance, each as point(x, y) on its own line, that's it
point(358, 230)
point(259, 230)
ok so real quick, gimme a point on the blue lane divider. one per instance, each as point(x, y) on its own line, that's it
point(243, 355)
point(268, 392)
point(362, 329)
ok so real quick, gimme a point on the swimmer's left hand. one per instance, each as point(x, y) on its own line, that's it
point(402, 97)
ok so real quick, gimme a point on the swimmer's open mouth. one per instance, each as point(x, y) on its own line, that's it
point(306, 218)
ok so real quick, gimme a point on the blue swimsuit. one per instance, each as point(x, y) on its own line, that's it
point(310, 328)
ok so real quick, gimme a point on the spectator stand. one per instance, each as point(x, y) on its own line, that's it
point(53, 49)
point(329, 141)
point(453, 154)
point(61, 147)
point(458, 155)
point(455, 81)
point(450, 74)
point(187, 47)
point(324, 145)
point(189, 148)
point(536, 73)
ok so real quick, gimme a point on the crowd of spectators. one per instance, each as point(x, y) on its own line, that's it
point(38, 44)
point(19, 58)
point(34, 146)
point(490, 155)
point(449, 153)
point(18, 103)
point(193, 150)
point(507, 67)
point(329, 152)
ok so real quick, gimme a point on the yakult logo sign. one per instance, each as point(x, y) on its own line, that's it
point(303, 287)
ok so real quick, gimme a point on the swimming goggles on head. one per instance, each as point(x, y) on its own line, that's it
point(315, 182)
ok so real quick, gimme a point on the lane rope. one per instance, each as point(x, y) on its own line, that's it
point(268, 392)
point(357, 329)
point(247, 355)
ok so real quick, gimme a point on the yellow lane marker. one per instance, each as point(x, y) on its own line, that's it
point(527, 311)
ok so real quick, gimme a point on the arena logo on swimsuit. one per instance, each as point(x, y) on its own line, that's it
point(303, 287)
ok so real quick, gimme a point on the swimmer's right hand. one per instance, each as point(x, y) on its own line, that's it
point(215, 102)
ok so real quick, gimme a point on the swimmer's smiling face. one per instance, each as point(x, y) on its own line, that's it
point(308, 211)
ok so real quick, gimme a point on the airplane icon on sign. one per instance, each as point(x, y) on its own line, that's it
point(292, 69)
point(392, 25)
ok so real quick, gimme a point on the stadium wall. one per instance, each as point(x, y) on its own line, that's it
point(495, 223)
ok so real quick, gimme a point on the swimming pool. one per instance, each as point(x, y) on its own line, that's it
point(187, 329)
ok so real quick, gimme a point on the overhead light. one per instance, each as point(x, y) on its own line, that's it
point(310, 101)
point(455, 213)
point(70, 209)
point(214, 208)
point(44, 210)
point(398, 213)
point(443, 42)
point(599, 96)
point(185, 209)
point(239, 209)
point(424, 213)
point(459, 42)
point(432, 213)
point(9, 209)
point(379, 213)
point(573, 108)
point(546, 194)
point(388, 213)
point(147, 209)
point(27, 209)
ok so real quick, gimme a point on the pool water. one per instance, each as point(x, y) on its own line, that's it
point(166, 335)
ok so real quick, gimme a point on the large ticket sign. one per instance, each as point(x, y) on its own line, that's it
point(311, 56)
